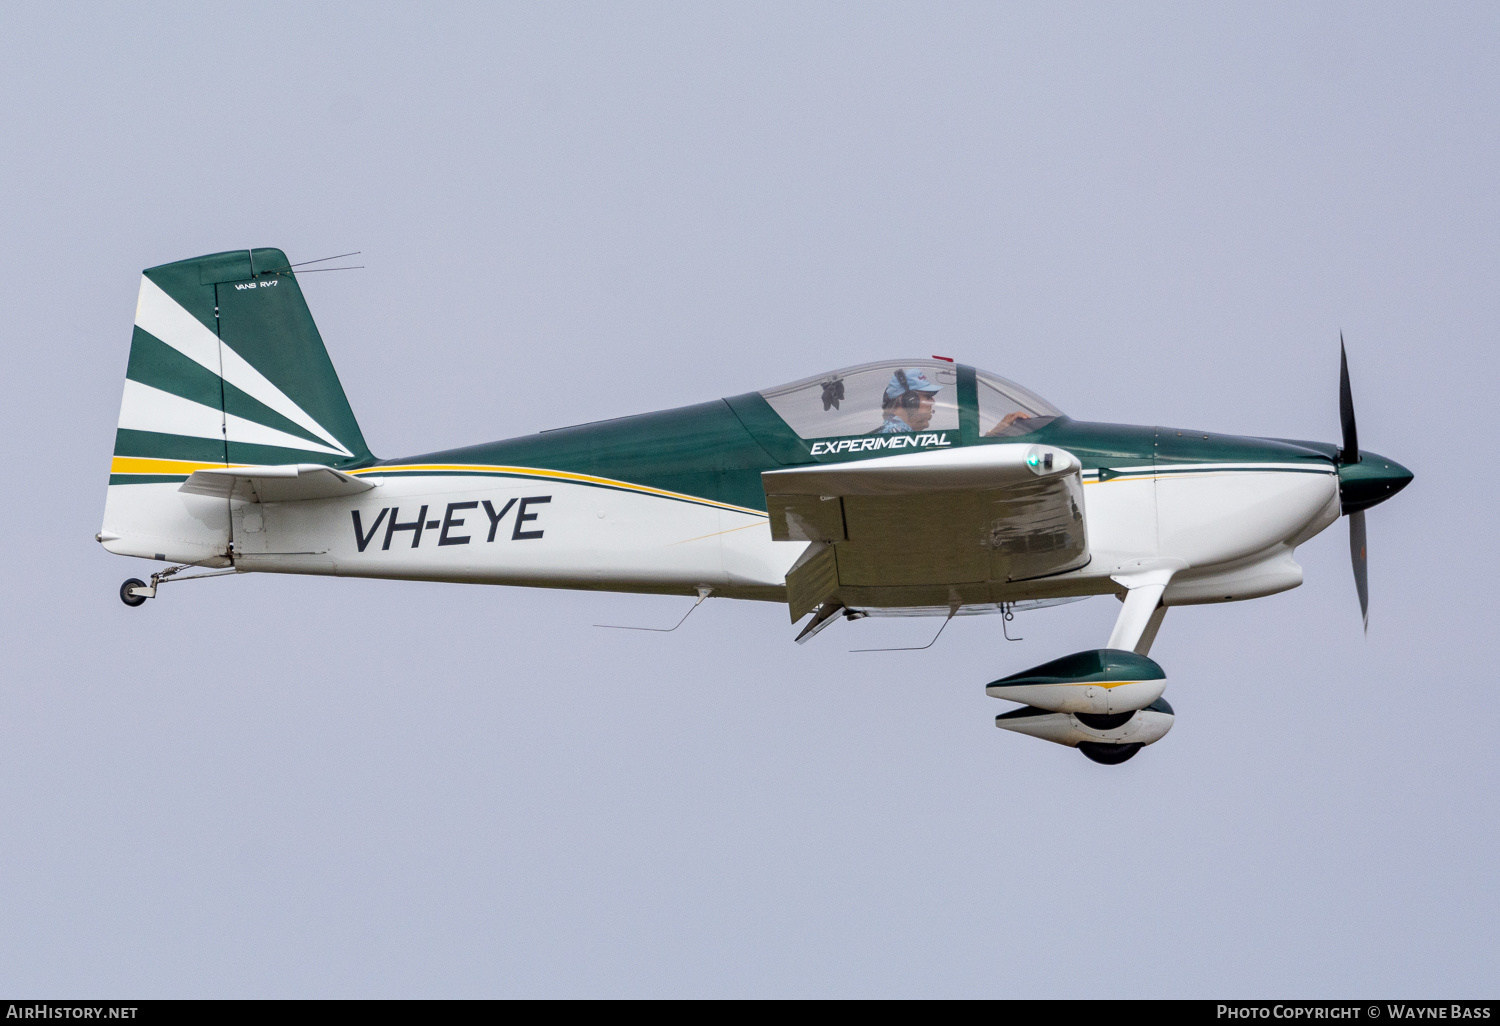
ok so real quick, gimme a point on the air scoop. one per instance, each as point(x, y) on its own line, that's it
point(1100, 681)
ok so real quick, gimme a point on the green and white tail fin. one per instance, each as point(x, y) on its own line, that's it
point(226, 368)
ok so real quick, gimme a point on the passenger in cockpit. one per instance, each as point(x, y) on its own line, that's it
point(907, 403)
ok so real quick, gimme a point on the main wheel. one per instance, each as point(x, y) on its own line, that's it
point(129, 599)
point(1105, 721)
point(1109, 755)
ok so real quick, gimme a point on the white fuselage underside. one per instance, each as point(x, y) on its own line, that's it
point(1233, 526)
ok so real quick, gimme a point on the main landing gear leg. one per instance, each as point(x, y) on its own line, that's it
point(1140, 618)
point(1107, 702)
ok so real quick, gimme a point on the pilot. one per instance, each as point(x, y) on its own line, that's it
point(907, 403)
point(1006, 426)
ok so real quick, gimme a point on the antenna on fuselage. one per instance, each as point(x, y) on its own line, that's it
point(916, 648)
point(703, 593)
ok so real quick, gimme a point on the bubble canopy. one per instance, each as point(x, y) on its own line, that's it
point(906, 396)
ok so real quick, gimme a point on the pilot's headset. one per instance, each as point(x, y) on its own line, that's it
point(909, 400)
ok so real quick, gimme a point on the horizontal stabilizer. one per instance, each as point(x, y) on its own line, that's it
point(274, 484)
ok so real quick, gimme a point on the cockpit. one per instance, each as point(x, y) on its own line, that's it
point(912, 398)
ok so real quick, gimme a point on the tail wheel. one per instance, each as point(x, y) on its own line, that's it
point(1109, 755)
point(129, 599)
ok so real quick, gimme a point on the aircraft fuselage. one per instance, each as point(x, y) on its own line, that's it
point(672, 502)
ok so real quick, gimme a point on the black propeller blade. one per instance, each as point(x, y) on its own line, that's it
point(1357, 557)
point(1347, 455)
point(1350, 452)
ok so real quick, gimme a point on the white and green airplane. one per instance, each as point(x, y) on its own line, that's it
point(904, 487)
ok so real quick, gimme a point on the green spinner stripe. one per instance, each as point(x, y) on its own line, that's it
point(154, 363)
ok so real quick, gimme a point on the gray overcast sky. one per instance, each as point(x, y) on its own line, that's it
point(1158, 214)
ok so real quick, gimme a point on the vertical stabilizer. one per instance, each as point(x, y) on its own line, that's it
point(226, 368)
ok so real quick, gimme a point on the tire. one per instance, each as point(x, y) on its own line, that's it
point(129, 599)
point(1105, 721)
point(1109, 755)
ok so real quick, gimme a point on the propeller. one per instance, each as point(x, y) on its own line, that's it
point(1361, 570)
point(1349, 454)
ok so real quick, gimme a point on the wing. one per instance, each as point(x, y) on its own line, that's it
point(940, 529)
point(274, 484)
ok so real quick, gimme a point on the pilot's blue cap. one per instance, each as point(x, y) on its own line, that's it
point(910, 379)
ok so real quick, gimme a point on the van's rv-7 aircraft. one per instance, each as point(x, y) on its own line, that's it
point(910, 487)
